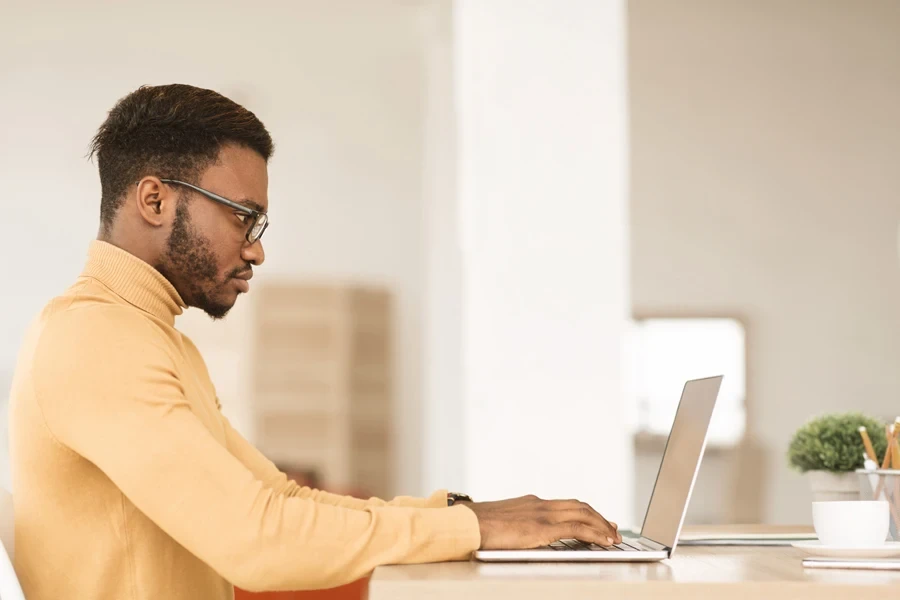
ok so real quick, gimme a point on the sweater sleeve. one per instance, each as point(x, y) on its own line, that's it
point(269, 474)
point(120, 404)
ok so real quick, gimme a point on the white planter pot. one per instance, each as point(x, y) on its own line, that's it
point(827, 486)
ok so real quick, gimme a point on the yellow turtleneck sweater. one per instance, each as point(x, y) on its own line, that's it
point(128, 482)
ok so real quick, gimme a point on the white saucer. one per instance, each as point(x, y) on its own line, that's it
point(817, 548)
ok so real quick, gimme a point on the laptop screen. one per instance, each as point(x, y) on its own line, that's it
point(680, 462)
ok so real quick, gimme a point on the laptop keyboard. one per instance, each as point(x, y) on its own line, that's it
point(578, 545)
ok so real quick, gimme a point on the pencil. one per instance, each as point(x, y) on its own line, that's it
point(895, 460)
point(889, 433)
point(870, 449)
point(887, 459)
point(895, 447)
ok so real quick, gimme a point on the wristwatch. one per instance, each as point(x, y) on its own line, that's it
point(453, 498)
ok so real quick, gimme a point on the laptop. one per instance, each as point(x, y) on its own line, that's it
point(668, 502)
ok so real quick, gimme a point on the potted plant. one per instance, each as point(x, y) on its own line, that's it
point(829, 448)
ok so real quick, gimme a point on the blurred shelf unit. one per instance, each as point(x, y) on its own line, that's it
point(322, 382)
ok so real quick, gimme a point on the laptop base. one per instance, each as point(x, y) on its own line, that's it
point(540, 555)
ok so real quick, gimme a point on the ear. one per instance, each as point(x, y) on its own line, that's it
point(155, 201)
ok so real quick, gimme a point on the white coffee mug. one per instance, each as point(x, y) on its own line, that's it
point(852, 523)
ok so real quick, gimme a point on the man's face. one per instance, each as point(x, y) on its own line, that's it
point(208, 258)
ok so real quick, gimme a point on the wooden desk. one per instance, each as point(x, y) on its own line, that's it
point(767, 573)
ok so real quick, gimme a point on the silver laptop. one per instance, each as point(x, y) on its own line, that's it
point(668, 502)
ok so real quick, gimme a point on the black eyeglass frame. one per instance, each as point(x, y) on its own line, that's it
point(260, 219)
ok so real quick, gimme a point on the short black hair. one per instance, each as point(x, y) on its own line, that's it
point(173, 131)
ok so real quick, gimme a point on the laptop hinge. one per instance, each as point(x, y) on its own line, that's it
point(651, 545)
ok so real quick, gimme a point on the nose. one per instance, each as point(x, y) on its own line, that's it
point(254, 253)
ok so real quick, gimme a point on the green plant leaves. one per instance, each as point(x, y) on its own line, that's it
point(832, 443)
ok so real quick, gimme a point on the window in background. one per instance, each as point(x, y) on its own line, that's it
point(666, 352)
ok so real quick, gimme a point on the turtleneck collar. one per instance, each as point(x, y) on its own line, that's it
point(133, 280)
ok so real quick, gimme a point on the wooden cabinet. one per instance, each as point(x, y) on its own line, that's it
point(322, 381)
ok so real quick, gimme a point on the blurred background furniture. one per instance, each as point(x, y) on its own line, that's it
point(322, 382)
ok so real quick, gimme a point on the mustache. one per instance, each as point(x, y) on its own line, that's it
point(240, 271)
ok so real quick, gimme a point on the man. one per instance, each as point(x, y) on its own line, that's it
point(128, 480)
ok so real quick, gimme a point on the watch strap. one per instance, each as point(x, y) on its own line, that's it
point(453, 498)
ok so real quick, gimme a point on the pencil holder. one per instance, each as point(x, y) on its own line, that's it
point(883, 484)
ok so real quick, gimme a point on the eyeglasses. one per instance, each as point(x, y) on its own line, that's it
point(259, 221)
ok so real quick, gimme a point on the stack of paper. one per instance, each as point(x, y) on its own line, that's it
point(743, 539)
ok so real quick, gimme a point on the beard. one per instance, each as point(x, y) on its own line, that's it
point(190, 261)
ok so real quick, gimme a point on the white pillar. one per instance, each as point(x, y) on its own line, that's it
point(528, 289)
point(443, 278)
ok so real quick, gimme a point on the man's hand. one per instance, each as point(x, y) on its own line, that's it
point(529, 522)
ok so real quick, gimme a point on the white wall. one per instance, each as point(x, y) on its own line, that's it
point(338, 83)
point(532, 246)
point(764, 183)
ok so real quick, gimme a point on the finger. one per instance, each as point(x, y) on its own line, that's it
point(582, 531)
point(573, 504)
point(584, 517)
point(615, 527)
point(590, 516)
